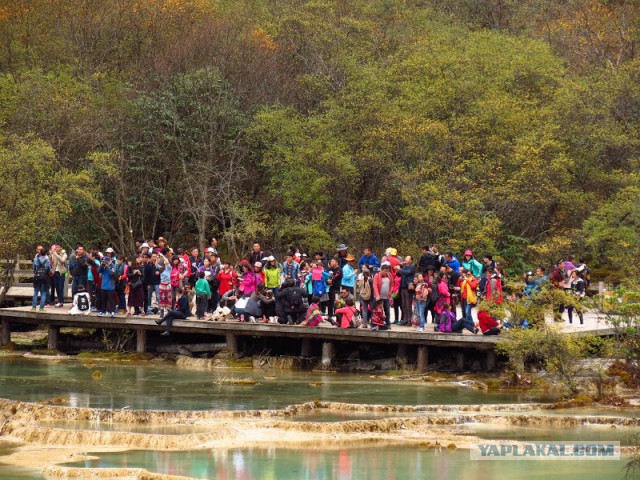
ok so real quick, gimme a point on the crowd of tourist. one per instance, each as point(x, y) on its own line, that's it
point(340, 289)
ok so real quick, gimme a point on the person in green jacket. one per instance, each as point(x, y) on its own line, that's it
point(272, 274)
point(203, 294)
point(470, 263)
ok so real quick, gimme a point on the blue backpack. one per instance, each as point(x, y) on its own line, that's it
point(319, 288)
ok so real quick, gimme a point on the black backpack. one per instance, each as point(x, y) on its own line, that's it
point(295, 297)
point(83, 302)
point(40, 272)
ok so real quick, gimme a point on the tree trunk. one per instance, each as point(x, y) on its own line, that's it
point(8, 276)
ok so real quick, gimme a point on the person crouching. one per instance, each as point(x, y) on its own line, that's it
point(181, 313)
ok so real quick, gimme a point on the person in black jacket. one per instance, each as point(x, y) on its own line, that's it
point(292, 302)
point(428, 260)
point(182, 312)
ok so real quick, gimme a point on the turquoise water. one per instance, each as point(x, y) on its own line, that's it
point(165, 386)
point(379, 463)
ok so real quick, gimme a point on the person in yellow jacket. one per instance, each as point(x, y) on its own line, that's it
point(272, 274)
point(468, 292)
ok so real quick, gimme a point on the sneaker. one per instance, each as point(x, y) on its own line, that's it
point(33, 309)
point(420, 329)
point(476, 330)
point(159, 322)
point(113, 314)
point(94, 309)
point(128, 314)
point(374, 329)
point(165, 334)
point(101, 314)
point(41, 309)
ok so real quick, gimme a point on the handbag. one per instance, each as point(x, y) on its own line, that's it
point(136, 283)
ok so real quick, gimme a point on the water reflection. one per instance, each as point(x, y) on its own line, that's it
point(375, 463)
point(164, 386)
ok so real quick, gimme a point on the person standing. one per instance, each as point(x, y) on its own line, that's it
point(369, 260)
point(203, 294)
point(334, 281)
point(272, 273)
point(470, 263)
point(135, 301)
point(406, 272)
point(227, 279)
point(367, 300)
point(79, 267)
point(291, 269)
point(579, 290)
point(383, 284)
point(349, 274)
point(41, 274)
point(422, 292)
point(468, 291)
point(59, 269)
point(256, 254)
point(108, 288)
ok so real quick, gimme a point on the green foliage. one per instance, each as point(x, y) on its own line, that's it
point(558, 353)
point(387, 122)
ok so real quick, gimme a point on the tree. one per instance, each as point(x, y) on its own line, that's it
point(35, 199)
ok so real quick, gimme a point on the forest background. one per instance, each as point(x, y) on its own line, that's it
point(508, 126)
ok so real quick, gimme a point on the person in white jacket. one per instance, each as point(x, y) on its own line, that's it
point(81, 302)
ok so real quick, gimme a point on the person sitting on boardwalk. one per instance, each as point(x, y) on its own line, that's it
point(488, 324)
point(347, 313)
point(81, 302)
point(313, 318)
point(183, 311)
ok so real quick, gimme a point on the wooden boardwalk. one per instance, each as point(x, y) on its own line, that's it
point(233, 331)
point(403, 337)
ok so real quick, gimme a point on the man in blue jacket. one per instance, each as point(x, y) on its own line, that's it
point(108, 271)
point(182, 312)
point(369, 260)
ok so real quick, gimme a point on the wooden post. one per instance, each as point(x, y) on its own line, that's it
point(491, 360)
point(328, 353)
point(423, 358)
point(460, 360)
point(401, 355)
point(53, 337)
point(305, 351)
point(141, 340)
point(6, 332)
point(232, 343)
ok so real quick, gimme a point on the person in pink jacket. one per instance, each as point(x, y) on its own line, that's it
point(443, 292)
point(249, 279)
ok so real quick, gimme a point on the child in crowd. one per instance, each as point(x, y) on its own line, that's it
point(203, 294)
point(378, 317)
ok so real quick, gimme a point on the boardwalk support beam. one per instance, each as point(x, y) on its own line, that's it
point(328, 353)
point(141, 340)
point(460, 360)
point(305, 350)
point(423, 358)
point(6, 332)
point(52, 336)
point(491, 360)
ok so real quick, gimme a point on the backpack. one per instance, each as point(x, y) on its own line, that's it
point(295, 297)
point(319, 288)
point(40, 272)
point(83, 302)
point(445, 322)
point(434, 296)
point(365, 292)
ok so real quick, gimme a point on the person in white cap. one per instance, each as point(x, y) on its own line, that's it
point(272, 274)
